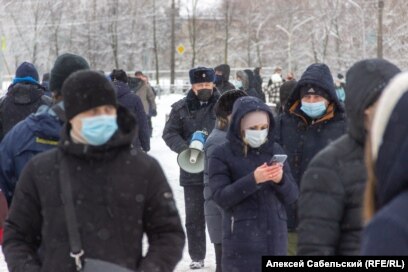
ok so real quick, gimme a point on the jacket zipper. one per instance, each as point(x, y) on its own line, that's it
point(232, 224)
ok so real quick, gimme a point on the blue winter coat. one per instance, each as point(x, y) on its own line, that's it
point(35, 134)
point(254, 221)
point(133, 103)
point(303, 138)
point(213, 213)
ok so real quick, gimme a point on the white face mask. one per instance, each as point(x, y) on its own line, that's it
point(255, 138)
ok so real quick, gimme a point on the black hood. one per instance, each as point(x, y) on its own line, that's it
point(121, 140)
point(366, 80)
point(316, 74)
point(241, 107)
point(225, 69)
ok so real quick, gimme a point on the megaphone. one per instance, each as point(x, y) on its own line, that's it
point(191, 160)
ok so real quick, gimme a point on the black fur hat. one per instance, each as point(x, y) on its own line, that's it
point(225, 103)
point(201, 74)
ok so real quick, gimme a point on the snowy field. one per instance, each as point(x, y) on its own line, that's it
point(168, 161)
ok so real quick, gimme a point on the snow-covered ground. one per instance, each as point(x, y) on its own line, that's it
point(168, 161)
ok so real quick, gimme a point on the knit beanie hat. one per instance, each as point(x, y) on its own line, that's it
point(64, 66)
point(225, 103)
point(313, 90)
point(27, 69)
point(84, 90)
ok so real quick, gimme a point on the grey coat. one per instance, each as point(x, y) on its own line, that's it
point(213, 213)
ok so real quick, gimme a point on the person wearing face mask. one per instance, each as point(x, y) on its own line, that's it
point(118, 193)
point(251, 192)
point(222, 74)
point(312, 118)
point(193, 113)
point(332, 188)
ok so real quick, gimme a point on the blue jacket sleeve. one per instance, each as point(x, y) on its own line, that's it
point(8, 175)
point(144, 131)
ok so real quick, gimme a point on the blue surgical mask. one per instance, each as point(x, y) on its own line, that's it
point(313, 110)
point(341, 95)
point(99, 129)
point(256, 138)
point(238, 84)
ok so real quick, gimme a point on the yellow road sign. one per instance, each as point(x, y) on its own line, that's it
point(181, 49)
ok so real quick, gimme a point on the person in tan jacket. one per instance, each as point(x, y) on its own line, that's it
point(146, 94)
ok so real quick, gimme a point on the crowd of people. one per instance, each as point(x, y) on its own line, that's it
point(79, 191)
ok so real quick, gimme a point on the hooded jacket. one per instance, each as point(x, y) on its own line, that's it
point(186, 117)
point(303, 138)
point(133, 103)
point(21, 100)
point(37, 133)
point(332, 188)
point(225, 85)
point(386, 233)
point(119, 194)
point(254, 222)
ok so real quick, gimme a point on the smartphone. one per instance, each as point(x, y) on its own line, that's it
point(278, 158)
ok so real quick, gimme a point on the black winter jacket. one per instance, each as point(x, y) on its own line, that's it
point(330, 203)
point(332, 188)
point(186, 117)
point(21, 100)
point(303, 138)
point(119, 194)
point(133, 103)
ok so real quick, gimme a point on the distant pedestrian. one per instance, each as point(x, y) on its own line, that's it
point(134, 104)
point(24, 96)
point(222, 74)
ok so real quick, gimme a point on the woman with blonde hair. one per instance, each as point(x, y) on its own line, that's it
point(386, 198)
point(251, 192)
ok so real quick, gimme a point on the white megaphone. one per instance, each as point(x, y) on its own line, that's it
point(191, 160)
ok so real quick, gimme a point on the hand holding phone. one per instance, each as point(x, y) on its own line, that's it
point(278, 158)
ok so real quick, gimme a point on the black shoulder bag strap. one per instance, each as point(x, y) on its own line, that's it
point(70, 215)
